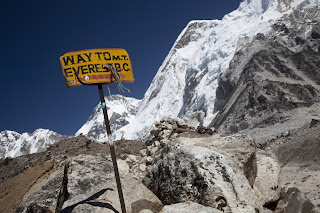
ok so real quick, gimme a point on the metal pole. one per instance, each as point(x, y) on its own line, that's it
point(112, 150)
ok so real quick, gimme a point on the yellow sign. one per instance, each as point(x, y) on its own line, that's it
point(95, 66)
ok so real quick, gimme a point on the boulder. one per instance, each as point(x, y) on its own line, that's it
point(267, 181)
point(189, 172)
point(181, 123)
point(201, 130)
point(294, 202)
point(155, 131)
point(89, 186)
point(146, 211)
point(188, 207)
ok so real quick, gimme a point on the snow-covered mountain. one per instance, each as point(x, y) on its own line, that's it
point(13, 144)
point(121, 111)
point(185, 84)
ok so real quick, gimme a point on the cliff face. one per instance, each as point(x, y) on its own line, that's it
point(273, 79)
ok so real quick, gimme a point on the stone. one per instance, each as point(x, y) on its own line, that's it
point(167, 120)
point(91, 187)
point(149, 160)
point(142, 167)
point(143, 152)
point(146, 211)
point(240, 148)
point(133, 158)
point(155, 131)
point(149, 150)
point(265, 210)
point(174, 125)
point(188, 207)
point(194, 173)
point(165, 134)
point(157, 144)
point(165, 126)
point(201, 130)
point(142, 160)
point(123, 166)
point(174, 136)
point(128, 161)
point(181, 123)
point(153, 151)
point(294, 202)
point(267, 181)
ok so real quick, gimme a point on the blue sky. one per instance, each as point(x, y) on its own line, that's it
point(34, 34)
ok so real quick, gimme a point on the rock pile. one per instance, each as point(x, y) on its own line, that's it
point(182, 169)
point(191, 168)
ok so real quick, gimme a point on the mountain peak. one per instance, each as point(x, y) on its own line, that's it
point(259, 7)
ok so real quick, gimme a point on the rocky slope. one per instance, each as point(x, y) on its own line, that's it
point(13, 144)
point(298, 154)
point(273, 82)
point(183, 169)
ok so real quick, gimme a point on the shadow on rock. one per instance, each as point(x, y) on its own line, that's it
point(92, 203)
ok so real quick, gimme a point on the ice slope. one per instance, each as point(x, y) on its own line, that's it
point(185, 84)
point(13, 144)
point(120, 112)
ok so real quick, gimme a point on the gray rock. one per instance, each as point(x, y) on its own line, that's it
point(146, 211)
point(157, 144)
point(188, 207)
point(153, 151)
point(294, 202)
point(142, 167)
point(167, 120)
point(90, 187)
point(181, 123)
point(194, 173)
point(267, 181)
point(165, 126)
point(201, 129)
point(155, 131)
point(143, 152)
point(165, 134)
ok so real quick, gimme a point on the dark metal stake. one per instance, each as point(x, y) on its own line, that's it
point(112, 150)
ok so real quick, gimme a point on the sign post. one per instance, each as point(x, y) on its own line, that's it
point(97, 67)
point(112, 150)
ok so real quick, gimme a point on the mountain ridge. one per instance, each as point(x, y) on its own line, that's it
point(13, 144)
point(185, 84)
